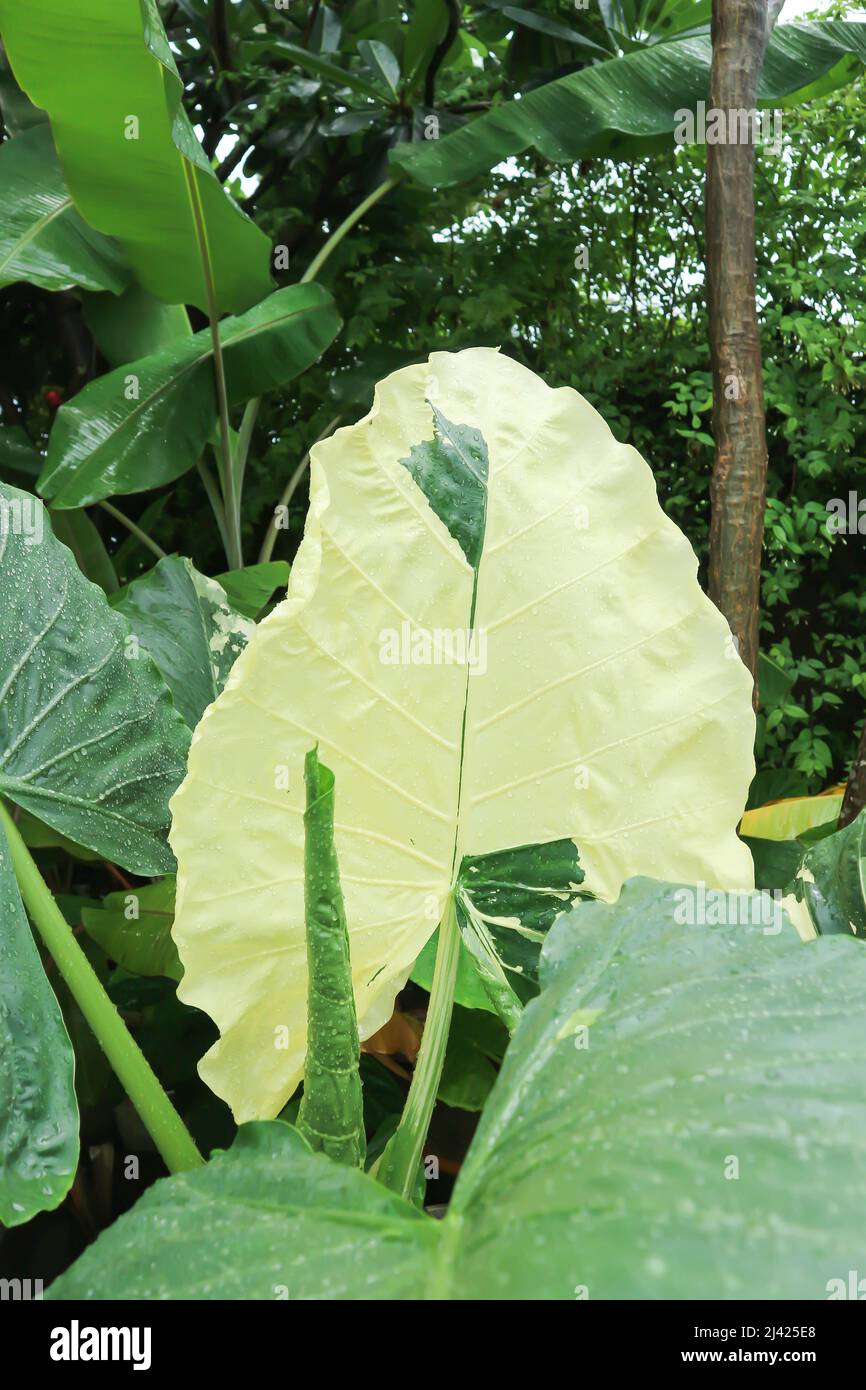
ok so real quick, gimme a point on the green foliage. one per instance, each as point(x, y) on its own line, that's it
point(650, 1063)
point(183, 621)
point(64, 644)
point(38, 1113)
point(646, 1051)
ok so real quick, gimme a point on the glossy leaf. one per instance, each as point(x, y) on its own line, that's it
point(628, 105)
point(324, 1226)
point(331, 1117)
point(19, 456)
point(130, 156)
point(89, 740)
point(381, 63)
point(133, 927)
point(147, 422)
point(830, 883)
point(776, 861)
point(639, 1137)
point(38, 1112)
point(76, 530)
point(506, 903)
point(544, 25)
point(476, 1046)
point(599, 674)
point(249, 589)
point(677, 1094)
point(315, 63)
point(786, 819)
point(184, 622)
point(43, 238)
point(133, 324)
point(37, 835)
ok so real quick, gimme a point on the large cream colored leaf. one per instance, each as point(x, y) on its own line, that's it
point(612, 709)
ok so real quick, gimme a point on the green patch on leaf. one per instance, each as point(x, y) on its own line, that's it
point(451, 470)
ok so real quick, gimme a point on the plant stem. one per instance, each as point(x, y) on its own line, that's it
point(133, 529)
point(398, 1168)
point(289, 491)
point(227, 476)
point(336, 237)
point(158, 1115)
point(213, 496)
point(242, 449)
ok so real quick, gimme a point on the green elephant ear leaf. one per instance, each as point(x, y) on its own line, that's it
point(133, 928)
point(129, 153)
point(38, 1110)
point(183, 621)
point(249, 589)
point(324, 1226)
point(639, 1136)
point(147, 422)
point(506, 903)
point(89, 740)
point(499, 642)
point(44, 239)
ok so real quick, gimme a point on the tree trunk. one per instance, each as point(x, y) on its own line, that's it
point(740, 30)
point(855, 793)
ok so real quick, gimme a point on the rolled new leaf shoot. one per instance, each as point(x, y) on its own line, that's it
point(331, 1117)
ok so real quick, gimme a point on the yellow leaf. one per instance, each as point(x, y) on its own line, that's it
point(785, 820)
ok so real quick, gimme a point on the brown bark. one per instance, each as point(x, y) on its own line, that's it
point(855, 793)
point(738, 490)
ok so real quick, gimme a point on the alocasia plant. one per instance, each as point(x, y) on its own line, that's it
point(671, 1114)
point(498, 639)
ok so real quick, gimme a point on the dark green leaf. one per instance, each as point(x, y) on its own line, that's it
point(325, 1231)
point(18, 453)
point(451, 471)
point(620, 107)
point(530, 20)
point(314, 63)
point(248, 590)
point(506, 903)
point(677, 1095)
point(43, 238)
point(381, 62)
point(831, 881)
point(89, 740)
point(147, 422)
point(184, 622)
point(38, 1113)
point(76, 530)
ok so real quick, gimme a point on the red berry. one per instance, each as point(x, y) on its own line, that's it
point(53, 399)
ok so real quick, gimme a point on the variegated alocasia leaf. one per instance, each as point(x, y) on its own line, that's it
point(498, 639)
point(183, 620)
